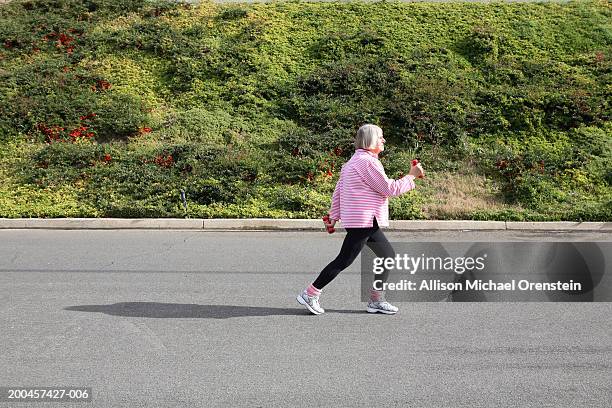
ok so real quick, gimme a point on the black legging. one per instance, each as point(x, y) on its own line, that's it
point(353, 243)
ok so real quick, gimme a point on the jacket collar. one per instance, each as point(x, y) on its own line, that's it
point(362, 151)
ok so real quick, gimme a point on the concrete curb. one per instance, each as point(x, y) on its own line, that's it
point(287, 224)
point(561, 226)
point(99, 223)
point(444, 225)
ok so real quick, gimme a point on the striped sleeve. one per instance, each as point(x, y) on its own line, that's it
point(334, 212)
point(374, 175)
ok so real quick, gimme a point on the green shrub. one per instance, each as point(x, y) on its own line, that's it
point(406, 207)
point(302, 142)
point(297, 200)
point(543, 173)
point(118, 117)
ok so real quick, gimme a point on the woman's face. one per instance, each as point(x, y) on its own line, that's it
point(380, 145)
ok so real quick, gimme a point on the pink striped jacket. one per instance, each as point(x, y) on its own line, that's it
point(363, 191)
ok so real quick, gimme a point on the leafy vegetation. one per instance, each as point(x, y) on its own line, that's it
point(110, 110)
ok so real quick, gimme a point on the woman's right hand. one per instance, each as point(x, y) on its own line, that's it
point(417, 171)
point(331, 223)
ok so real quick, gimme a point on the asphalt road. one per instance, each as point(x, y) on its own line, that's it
point(208, 319)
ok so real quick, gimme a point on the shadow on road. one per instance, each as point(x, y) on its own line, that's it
point(177, 310)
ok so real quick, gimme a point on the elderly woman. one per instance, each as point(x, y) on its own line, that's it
point(361, 201)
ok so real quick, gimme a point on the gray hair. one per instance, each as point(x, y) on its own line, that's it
point(367, 136)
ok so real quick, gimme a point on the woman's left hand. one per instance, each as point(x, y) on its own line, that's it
point(331, 223)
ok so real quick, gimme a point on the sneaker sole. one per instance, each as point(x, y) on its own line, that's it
point(302, 302)
point(371, 310)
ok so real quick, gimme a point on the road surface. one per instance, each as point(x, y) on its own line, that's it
point(209, 319)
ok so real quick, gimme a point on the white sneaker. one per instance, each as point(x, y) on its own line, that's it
point(381, 307)
point(311, 303)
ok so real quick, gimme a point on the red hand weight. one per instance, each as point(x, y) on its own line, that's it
point(330, 230)
point(414, 163)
